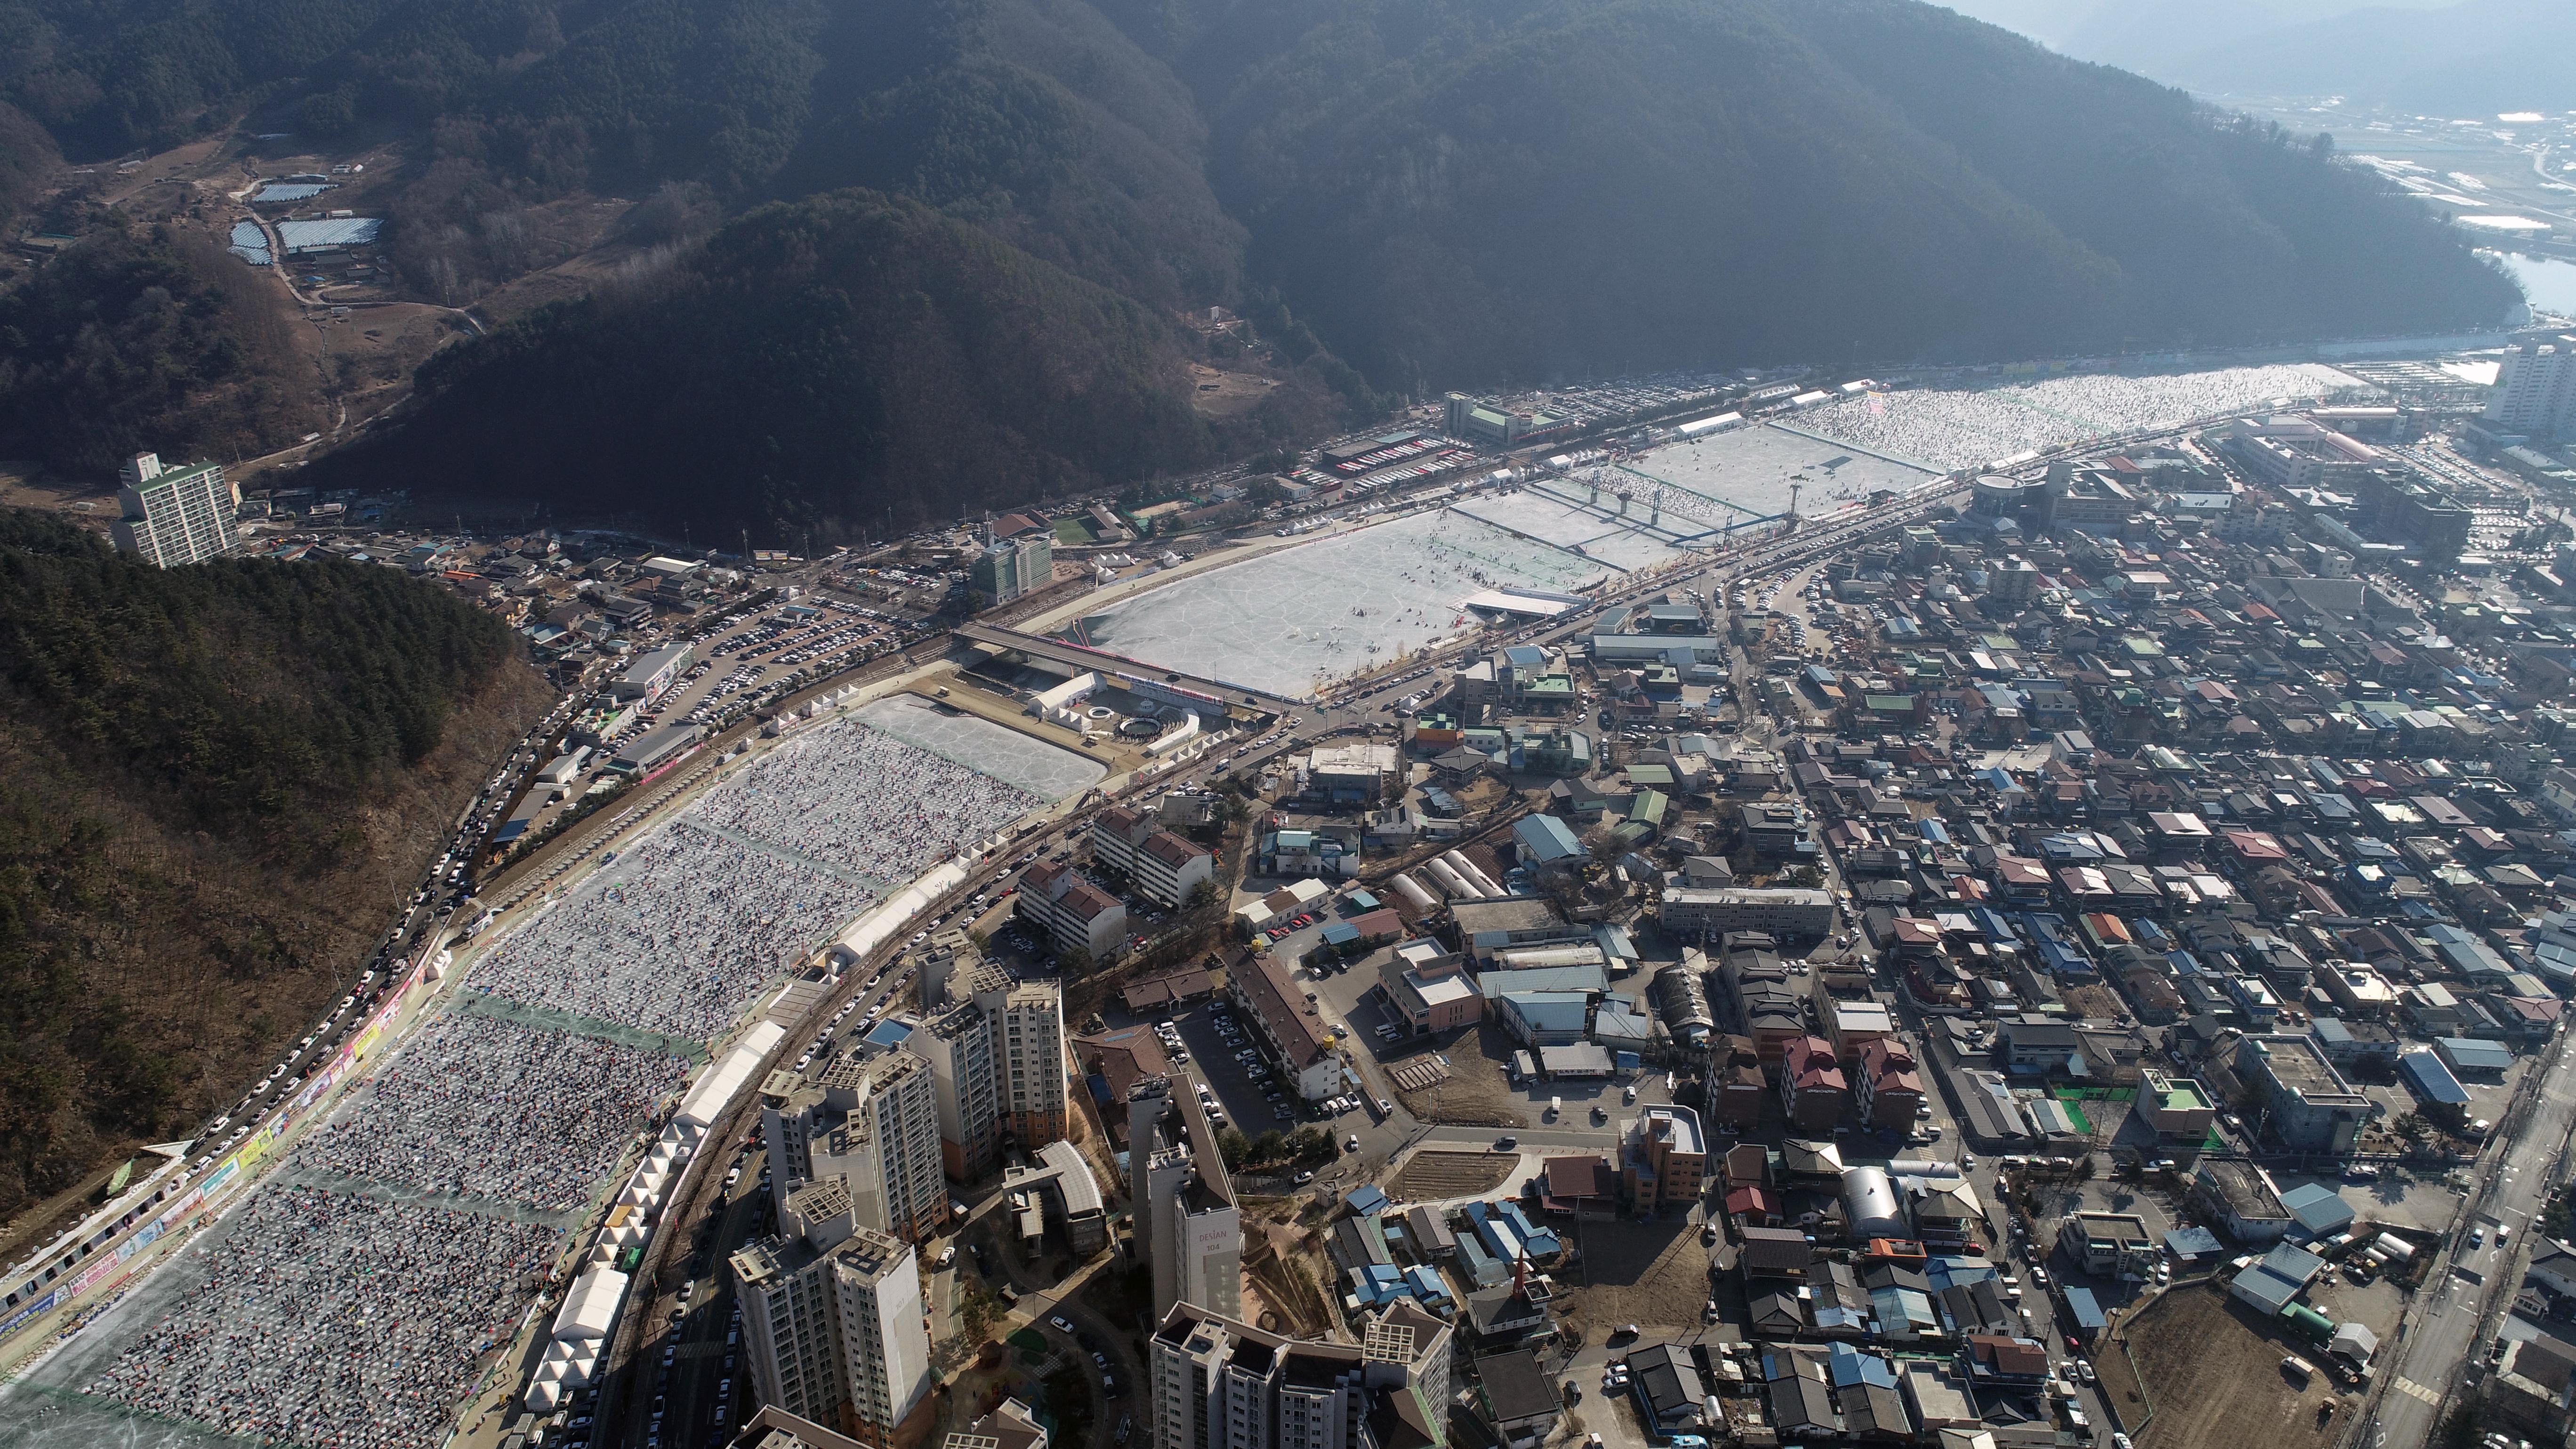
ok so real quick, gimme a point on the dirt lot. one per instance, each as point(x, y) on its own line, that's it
point(1477, 1093)
point(1654, 1275)
point(1218, 393)
point(2214, 1377)
point(1430, 1176)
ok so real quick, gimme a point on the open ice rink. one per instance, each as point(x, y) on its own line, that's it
point(1753, 469)
point(1969, 427)
point(1290, 620)
point(1565, 517)
point(996, 750)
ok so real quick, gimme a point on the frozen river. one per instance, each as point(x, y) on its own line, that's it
point(1947, 428)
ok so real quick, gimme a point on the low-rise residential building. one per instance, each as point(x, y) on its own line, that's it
point(1163, 867)
point(1812, 1085)
point(1285, 1025)
point(2109, 1245)
point(1736, 1087)
point(1663, 1158)
point(1072, 913)
point(1429, 987)
point(1889, 1090)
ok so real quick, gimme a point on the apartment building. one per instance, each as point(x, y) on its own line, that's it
point(1663, 1159)
point(996, 1049)
point(1163, 867)
point(2536, 390)
point(1071, 912)
point(1031, 1066)
point(957, 1040)
point(831, 1317)
point(1708, 913)
point(1217, 1383)
point(871, 1124)
point(1889, 1088)
point(1812, 1084)
point(1187, 1224)
point(174, 516)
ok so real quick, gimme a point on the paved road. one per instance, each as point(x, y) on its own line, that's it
point(2452, 1316)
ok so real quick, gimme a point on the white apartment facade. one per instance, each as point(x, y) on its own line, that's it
point(873, 1125)
point(1072, 913)
point(1188, 1226)
point(2536, 390)
point(174, 516)
point(1217, 1383)
point(832, 1324)
point(1163, 867)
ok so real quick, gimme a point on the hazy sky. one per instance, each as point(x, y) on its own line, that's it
point(2152, 36)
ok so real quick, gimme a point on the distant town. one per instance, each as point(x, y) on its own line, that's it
point(1981, 908)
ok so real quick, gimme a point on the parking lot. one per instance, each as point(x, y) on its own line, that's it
point(1249, 1097)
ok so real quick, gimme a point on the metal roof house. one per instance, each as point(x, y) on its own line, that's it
point(2318, 1208)
point(2270, 1285)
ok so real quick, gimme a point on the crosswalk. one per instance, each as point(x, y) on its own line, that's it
point(2412, 1389)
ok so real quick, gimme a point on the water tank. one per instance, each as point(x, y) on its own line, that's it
point(1870, 1207)
point(2396, 1247)
point(2307, 1323)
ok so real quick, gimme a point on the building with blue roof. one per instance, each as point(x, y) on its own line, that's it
point(1848, 1367)
point(1546, 1018)
point(1376, 1285)
point(1541, 1242)
point(2429, 1079)
point(1426, 1285)
point(2469, 1057)
point(2193, 1243)
point(1366, 1199)
point(2084, 1311)
point(2318, 1208)
point(1546, 841)
point(1480, 1266)
point(1497, 1233)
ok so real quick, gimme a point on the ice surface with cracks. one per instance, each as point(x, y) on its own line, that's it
point(1970, 427)
point(1004, 753)
point(1289, 620)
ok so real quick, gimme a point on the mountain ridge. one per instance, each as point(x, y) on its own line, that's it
point(1397, 196)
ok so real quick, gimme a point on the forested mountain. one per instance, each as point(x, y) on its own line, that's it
point(1436, 193)
point(146, 337)
point(817, 364)
point(216, 784)
point(27, 161)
